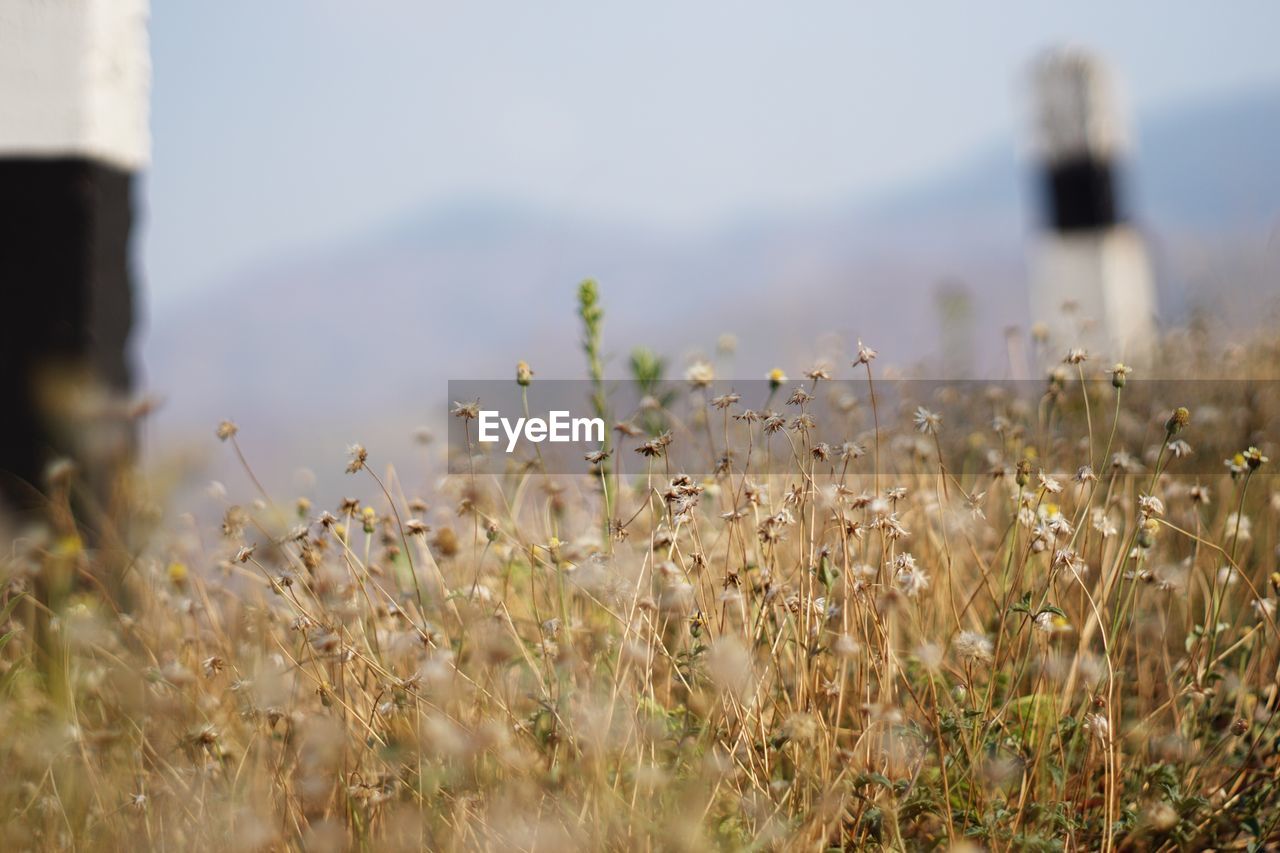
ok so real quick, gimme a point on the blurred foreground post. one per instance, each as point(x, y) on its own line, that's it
point(74, 82)
point(1091, 279)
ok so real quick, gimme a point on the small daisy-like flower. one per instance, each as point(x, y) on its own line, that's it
point(973, 647)
point(1254, 459)
point(866, 354)
point(1052, 623)
point(1119, 374)
point(1199, 494)
point(1076, 355)
point(911, 580)
point(595, 457)
point(467, 411)
point(818, 372)
point(927, 421)
point(851, 450)
point(1150, 505)
point(700, 374)
point(1179, 449)
point(1085, 474)
point(1049, 484)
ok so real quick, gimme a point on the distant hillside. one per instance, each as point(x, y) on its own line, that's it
point(315, 347)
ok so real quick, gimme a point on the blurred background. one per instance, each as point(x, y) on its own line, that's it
point(345, 209)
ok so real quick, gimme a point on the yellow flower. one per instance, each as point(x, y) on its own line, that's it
point(178, 572)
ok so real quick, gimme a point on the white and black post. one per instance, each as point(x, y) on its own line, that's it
point(1091, 280)
point(74, 91)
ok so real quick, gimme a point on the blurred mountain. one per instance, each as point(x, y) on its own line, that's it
point(361, 337)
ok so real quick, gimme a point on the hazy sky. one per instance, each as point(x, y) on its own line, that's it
point(288, 124)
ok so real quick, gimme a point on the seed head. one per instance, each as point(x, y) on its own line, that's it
point(227, 430)
point(357, 456)
point(1177, 421)
point(1119, 372)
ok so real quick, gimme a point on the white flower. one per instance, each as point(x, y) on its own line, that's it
point(1049, 484)
point(911, 580)
point(927, 421)
point(700, 374)
point(972, 646)
point(1150, 505)
point(1098, 726)
point(1052, 623)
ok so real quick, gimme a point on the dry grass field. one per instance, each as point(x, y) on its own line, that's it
point(1008, 627)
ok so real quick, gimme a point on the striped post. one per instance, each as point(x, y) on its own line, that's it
point(1091, 281)
point(74, 84)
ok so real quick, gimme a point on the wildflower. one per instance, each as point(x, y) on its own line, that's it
point(178, 573)
point(799, 397)
point(1150, 505)
point(1254, 459)
point(1099, 726)
point(1049, 484)
point(724, 401)
point(1265, 608)
point(851, 450)
point(1240, 526)
point(700, 374)
point(1084, 474)
point(628, 429)
point(415, 527)
point(927, 421)
point(866, 354)
point(974, 647)
point(595, 457)
point(1119, 372)
point(1179, 449)
point(818, 372)
point(1199, 494)
point(227, 430)
point(776, 377)
point(774, 422)
point(1227, 576)
point(524, 375)
point(243, 555)
point(467, 411)
point(910, 579)
point(1160, 816)
point(1177, 421)
point(974, 502)
point(1076, 355)
point(655, 446)
point(1049, 622)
